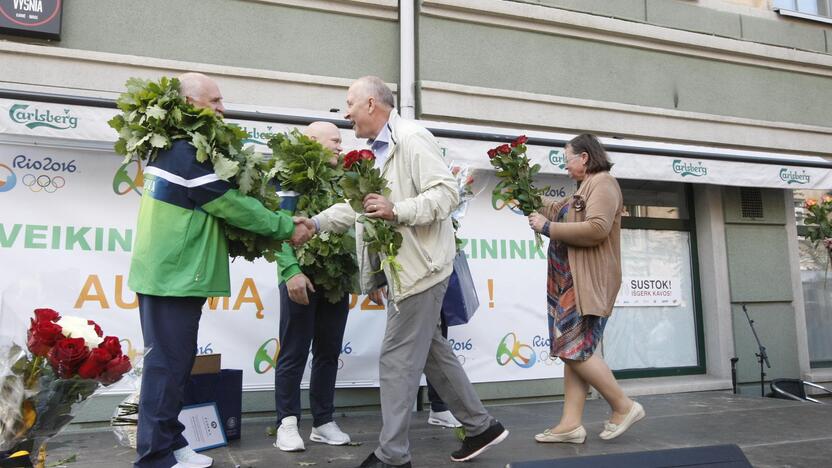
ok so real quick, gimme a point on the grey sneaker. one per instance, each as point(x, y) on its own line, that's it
point(329, 433)
point(443, 418)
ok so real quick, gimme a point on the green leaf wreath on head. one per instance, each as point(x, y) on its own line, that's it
point(302, 165)
point(154, 114)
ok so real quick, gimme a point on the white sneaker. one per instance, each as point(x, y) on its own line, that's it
point(187, 458)
point(443, 418)
point(329, 433)
point(288, 437)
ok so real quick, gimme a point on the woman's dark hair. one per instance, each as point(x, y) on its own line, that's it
point(589, 144)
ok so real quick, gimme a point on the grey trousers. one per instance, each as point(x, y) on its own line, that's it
point(413, 343)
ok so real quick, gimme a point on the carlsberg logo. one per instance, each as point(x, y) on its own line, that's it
point(688, 169)
point(256, 136)
point(33, 117)
point(791, 176)
point(557, 158)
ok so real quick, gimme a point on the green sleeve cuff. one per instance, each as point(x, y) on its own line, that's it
point(287, 263)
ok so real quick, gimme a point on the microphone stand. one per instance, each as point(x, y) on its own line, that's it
point(762, 357)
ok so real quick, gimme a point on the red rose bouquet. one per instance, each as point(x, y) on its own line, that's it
point(516, 174)
point(68, 359)
point(360, 179)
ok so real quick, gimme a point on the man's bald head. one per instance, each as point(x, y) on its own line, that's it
point(327, 134)
point(201, 91)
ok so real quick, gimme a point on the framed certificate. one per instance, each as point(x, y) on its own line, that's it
point(203, 429)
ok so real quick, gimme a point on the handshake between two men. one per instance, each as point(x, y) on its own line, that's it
point(375, 206)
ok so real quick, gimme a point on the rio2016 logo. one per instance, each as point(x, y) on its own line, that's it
point(8, 179)
point(460, 347)
point(346, 350)
point(498, 203)
point(511, 349)
point(266, 357)
point(544, 356)
point(50, 182)
point(124, 182)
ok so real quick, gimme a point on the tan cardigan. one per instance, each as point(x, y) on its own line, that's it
point(593, 239)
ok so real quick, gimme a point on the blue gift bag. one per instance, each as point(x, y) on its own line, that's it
point(461, 299)
point(226, 390)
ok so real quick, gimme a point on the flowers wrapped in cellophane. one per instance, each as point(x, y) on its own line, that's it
point(65, 361)
point(465, 188)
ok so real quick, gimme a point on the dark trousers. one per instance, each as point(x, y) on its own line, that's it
point(170, 326)
point(436, 403)
point(320, 324)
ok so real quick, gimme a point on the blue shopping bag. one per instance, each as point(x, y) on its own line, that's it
point(226, 390)
point(461, 299)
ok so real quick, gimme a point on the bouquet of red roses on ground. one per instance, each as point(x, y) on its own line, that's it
point(516, 174)
point(360, 179)
point(68, 359)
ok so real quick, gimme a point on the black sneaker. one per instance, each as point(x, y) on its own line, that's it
point(373, 462)
point(473, 446)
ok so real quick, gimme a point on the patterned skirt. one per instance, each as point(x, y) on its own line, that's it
point(572, 335)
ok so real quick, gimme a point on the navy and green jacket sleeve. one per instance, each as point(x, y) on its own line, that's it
point(219, 198)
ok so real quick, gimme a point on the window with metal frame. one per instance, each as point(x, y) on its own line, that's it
point(659, 332)
point(819, 10)
point(817, 288)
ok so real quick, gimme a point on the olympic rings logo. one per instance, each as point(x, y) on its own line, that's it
point(340, 364)
point(548, 359)
point(512, 350)
point(43, 183)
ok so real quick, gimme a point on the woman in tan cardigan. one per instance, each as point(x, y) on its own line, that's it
point(584, 276)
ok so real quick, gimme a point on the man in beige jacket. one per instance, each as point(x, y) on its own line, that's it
point(423, 194)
